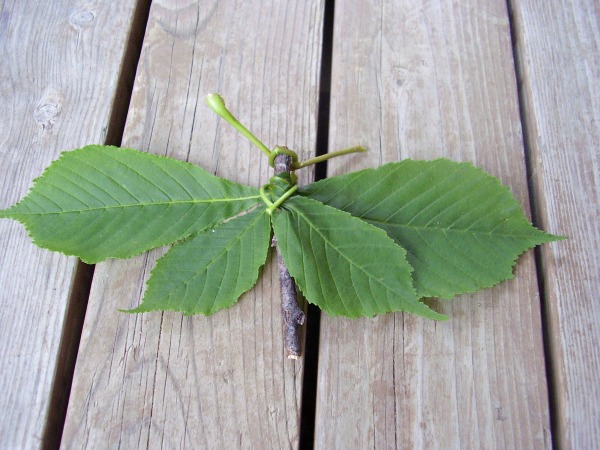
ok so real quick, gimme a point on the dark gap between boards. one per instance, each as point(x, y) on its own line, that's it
point(80, 291)
point(533, 192)
point(313, 327)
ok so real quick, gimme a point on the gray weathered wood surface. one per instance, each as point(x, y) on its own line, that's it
point(429, 81)
point(558, 45)
point(505, 85)
point(163, 380)
point(60, 65)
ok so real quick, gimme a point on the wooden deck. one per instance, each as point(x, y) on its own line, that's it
point(512, 86)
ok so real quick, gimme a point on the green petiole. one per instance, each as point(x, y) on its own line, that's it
point(273, 206)
point(325, 157)
point(281, 199)
point(217, 104)
point(264, 197)
point(285, 151)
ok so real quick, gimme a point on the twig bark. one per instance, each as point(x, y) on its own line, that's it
point(293, 316)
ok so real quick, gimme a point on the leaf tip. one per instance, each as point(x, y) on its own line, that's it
point(555, 237)
point(141, 308)
point(427, 312)
point(543, 237)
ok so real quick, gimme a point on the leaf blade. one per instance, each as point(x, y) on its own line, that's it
point(462, 229)
point(310, 234)
point(99, 202)
point(210, 270)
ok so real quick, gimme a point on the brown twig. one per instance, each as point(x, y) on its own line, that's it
point(293, 316)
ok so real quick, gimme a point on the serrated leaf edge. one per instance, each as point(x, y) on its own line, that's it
point(433, 314)
point(255, 276)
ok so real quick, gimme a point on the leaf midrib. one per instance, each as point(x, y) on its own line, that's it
point(211, 261)
point(225, 250)
point(133, 205)
point(342, 254)
point(381, 223)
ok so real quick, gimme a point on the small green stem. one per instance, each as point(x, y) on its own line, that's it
point(216, 103)
point(264, 197)
point(279, 150)
point(325, 157)
point(281, 199)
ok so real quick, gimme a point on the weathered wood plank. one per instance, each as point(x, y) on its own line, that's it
point(428, 80)
point(59, 73)
point(163, 380)
point(558, 48)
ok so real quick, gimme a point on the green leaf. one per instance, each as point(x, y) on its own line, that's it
point(462, 229)
point(99, 202)
point(210, 270)
point(342, 264)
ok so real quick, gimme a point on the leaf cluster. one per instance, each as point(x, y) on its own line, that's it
point(365, 243)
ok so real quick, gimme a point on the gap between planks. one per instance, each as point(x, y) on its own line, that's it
point(535, 219)
point(311, 350)
point(80, 289)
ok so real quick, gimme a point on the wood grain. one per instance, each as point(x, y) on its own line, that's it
point(426, 80)
point(558, 48)
point(59, 75)
point(163, 380)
